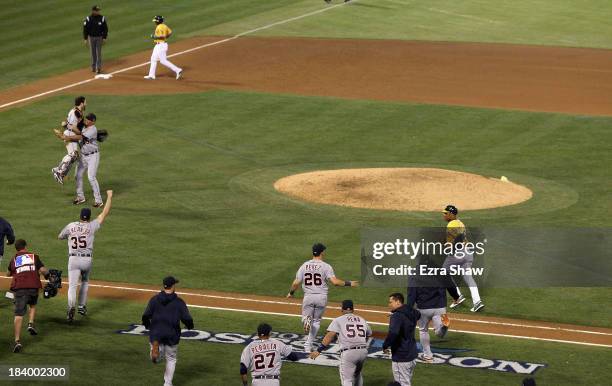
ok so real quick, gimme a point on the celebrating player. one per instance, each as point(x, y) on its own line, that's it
point(456, 233)
point(89, 160)
point(314, 275)
point(263, 357)
point(81, 235)
point(72, 126)
point(353, 333)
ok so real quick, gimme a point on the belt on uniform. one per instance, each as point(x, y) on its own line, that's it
point(93, 152)
point(353, 348)
point(80, 254)
point(266, 377)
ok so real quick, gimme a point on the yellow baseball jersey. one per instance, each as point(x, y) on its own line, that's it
point(454, 228)
point(162, 31)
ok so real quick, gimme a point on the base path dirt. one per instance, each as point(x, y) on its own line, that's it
point(409, 189)
point(535, 78)
point(472, 324)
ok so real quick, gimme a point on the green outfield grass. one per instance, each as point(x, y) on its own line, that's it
point(194, 196)
point(95, 352)
point(52, 42)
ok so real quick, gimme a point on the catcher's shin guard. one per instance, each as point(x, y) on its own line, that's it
point(66, 163)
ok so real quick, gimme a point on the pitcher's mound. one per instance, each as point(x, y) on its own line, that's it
point(410, 189)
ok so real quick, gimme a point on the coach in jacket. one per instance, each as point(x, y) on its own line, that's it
point(400, 339)
point(162, 317)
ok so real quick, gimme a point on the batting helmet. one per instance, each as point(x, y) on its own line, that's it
point(158, 19)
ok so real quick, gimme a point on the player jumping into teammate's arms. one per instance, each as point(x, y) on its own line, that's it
point(314, 275)
point(72, 126)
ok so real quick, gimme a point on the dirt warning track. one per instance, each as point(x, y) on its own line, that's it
point(471, 324)
point(534, 78)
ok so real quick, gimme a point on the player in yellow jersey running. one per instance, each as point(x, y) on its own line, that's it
point(160, 37)
point(456, 233)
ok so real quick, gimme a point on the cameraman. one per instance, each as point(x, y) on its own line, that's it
point(25, 268)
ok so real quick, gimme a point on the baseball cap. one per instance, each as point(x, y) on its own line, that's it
point(318, 248)
point(347, 305)
point(264, 329)
point(91, 117)
point(169, 281)
point(96, 8)
point(450, 209)
point(85, 214)
point(529, 382)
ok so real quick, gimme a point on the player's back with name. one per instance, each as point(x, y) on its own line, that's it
point(352, 330)
point(264, 356)
point(80, 236)
point(314, 275)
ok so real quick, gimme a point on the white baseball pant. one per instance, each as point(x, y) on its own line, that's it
point(159, 54)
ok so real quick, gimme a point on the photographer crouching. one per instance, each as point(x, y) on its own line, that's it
point(25, 268)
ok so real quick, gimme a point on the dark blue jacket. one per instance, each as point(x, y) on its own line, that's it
point(163, 316)
point(426, 297)
point(5, 230)
point(401, 334)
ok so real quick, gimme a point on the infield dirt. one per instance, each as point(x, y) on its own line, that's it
point(534, 78)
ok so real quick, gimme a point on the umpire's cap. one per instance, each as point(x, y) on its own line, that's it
point(347, 305)
point(529, 382)
point(91, 117)
point(317, 249)
point(264, 329)
point(450, 209)
point(158, 19)
point(85, 214)
point(169, 281)
point(96, 8)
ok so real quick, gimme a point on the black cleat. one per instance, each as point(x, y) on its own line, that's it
point(17, 347)
point(31, 329)
point(78, 201)
point(82, 310)
point(70, 315)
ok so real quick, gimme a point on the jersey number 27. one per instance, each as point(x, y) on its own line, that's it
point(259, 361)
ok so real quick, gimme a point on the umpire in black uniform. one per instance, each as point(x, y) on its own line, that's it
point(95, 31)
point(5, 231)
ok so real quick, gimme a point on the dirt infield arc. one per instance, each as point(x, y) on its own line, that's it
point(535, 78)
point(471, 324)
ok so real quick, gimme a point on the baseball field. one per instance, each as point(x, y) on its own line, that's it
point(275, 88)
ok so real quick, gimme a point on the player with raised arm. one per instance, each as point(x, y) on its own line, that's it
point(80, 236)
point(314, 275)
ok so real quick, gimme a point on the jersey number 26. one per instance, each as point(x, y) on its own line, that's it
point(313, 279)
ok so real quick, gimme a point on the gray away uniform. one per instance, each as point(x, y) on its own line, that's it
point(80, 237)
point(314, 275)
point(89, 160)
point(353, 333)
point(263, 357)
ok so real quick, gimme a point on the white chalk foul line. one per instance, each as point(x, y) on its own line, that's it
point(241, 34)
point(385, 324)
point(366, 310)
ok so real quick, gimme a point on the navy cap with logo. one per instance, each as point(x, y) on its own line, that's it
point(347, 305)
point(450, 209)
point(169, 281)
point(85, 214)
point(264, 329)
point(91, 117)
point(317, 249)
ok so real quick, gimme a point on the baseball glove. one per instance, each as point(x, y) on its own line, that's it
point(102, 135)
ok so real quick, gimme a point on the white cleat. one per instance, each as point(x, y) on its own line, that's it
point(149, 77)
point(179, 75)
point(477, 307)
point(58, 177)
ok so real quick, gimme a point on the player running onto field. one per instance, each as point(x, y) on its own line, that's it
point(314, 275)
